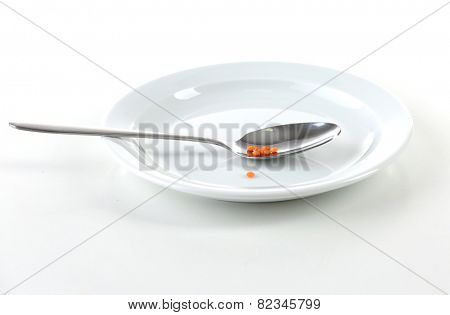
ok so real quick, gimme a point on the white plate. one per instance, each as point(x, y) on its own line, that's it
point(375, 126)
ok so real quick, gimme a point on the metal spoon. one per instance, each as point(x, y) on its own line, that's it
point(289, 139)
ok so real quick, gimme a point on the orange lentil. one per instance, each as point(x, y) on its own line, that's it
point(255, 151)
point(250, 174)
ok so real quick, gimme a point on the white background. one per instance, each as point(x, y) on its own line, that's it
point(56, 191)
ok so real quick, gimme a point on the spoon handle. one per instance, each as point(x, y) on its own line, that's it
point(81, 131)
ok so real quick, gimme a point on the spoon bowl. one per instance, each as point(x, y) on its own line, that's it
point(288, 139)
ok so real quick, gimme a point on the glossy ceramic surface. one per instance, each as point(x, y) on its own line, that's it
point(375, 126)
